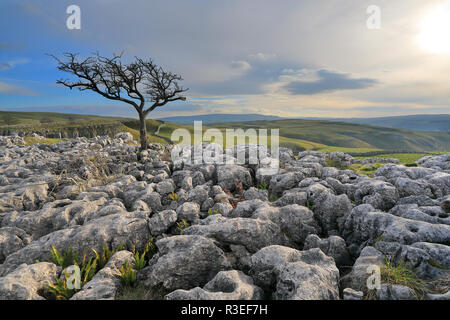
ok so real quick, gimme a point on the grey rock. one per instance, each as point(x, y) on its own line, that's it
point(23, 197)
point(350, 294)
point(408, 187)
point(113, 230)
point(296, 222)
point(228, 174)
point(12, 239)
point(162, 221)
point(199, 194)
point(256, 194)
point(226, 285)
point(445, 204)
point(285, 181)
point(107, 282)
point(290, 274)
point(413, 212)
point(443, 296)
point(245, 209)
point(293, 196)
point(329, 209)
point(395, 292)
point(333, 246)
point(357, 278)
point(253, 234)
point(53, 216)
point(183, 262)
point(25, 282)
point(165, 187)
point(381, 195)
point(188, 211)
point(124, 136)
point(442, 162)
point(364, 226)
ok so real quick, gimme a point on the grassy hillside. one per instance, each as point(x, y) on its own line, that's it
point(36, 118)
point(297, 134)
point(425, 122)
point(347, 135)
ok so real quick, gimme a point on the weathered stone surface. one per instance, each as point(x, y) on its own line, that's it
point(289, 274)
point(357, 278)
point(333, 246)
point(253, 234)
point(350, 294)
point(380, 194)
point(188, 211)
point(293, 196)
point(12, 239)
point(53, 216)
point(395, 292)
point(228, 174)
point(445, 204)
point(330, 209)
point(125, 136)
point(296, 222)
point(365, 225)
point(83, 193)
point(245, 209)
point(226, 285)
point(183, 262)
point(285, 181)
point(25, 282)
point(107, 282)
point(113, 230)
point(162, 221)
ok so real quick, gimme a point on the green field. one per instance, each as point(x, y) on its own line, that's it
point(405, 158)
point(297, 134)
point(47, 118)
point(355, 136)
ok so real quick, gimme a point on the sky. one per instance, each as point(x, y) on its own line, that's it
point(290, 58)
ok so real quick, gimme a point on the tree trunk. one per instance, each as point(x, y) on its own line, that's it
point(143, 132)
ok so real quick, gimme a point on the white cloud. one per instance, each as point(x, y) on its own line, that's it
point(241, 65)
point(9, 89)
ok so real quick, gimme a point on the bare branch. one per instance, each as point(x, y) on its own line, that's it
point(135, 83)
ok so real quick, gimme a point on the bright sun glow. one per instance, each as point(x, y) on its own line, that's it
point(435, 33)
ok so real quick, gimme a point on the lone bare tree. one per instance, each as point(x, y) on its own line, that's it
point(136, 83)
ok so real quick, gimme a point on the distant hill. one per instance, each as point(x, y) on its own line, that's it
point(424, 122)
point(216, 118)
point(351, 135)
point(31, 118)
point(298, 134)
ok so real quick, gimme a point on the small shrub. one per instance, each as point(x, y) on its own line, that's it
point(310, 206)
point(88, 268)
point(60, 291)
point(378, 239)
point(65, 259)
point(399, 273)
point(142, 258)
point(106, 254)
point(263, 186)
point(173, 196)
point(436, 264)
point(213, 212)
point(182, 225)
point(273, 197)
point(128, 274)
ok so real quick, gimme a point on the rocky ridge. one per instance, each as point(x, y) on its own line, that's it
point(309, 231)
